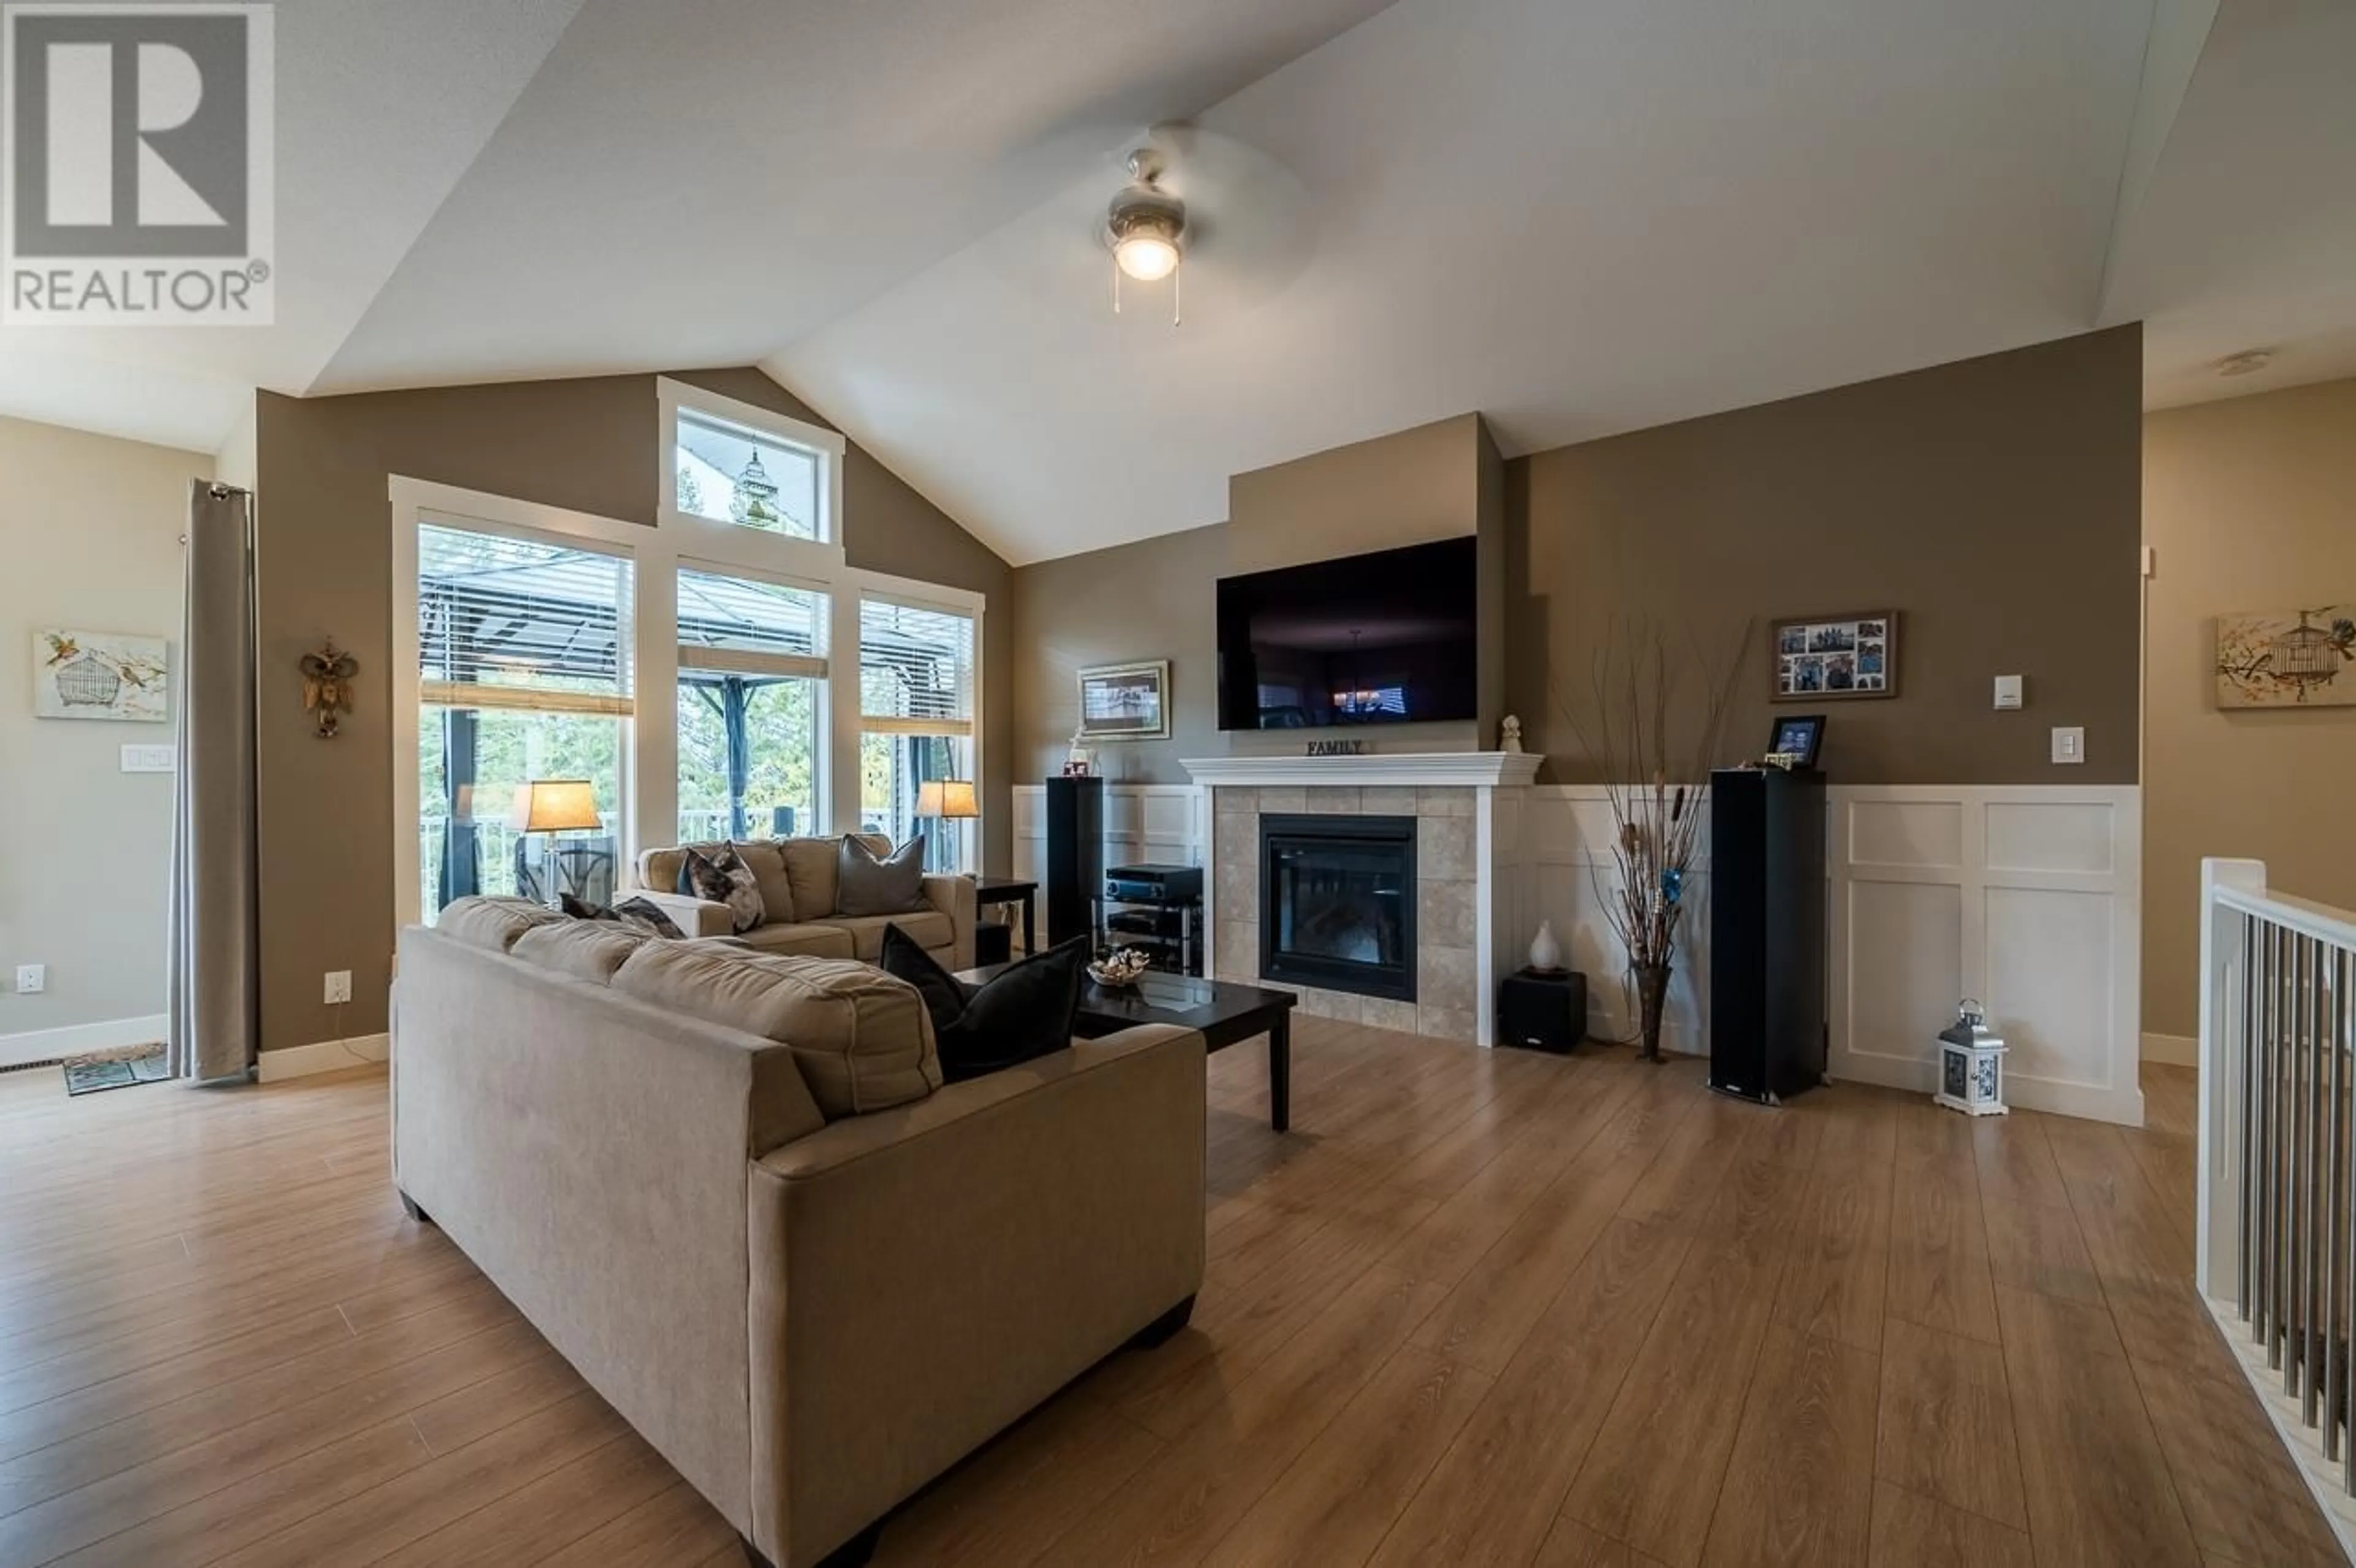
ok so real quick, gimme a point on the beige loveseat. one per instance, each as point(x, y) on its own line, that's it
point(798, 884)
point(810, 1313)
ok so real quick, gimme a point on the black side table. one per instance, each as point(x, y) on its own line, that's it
point(1542, 1012)
point(990, 891)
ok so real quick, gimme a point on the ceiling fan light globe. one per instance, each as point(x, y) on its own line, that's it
point(1148, 258)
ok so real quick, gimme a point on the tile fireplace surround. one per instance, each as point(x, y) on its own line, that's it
point(1468, 808)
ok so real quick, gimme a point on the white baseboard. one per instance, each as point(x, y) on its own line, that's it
point(2171, 1050)
point(2123, 1107)
point(323, 1056)
point(41, 1045)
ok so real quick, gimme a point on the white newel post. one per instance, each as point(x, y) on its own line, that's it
point(2223, 964)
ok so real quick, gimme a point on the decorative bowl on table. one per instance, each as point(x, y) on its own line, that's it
point(1120, 968)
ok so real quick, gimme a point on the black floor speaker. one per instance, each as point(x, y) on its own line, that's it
point(1075, 829)
point(1766, 931)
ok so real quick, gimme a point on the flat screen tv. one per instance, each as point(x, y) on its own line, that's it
point(1388, 638)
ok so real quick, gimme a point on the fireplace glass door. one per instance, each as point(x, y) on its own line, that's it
point(1337, 903)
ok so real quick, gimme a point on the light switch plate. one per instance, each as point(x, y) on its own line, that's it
point(150, 759)
point(2008, 691)
point(2070, 744)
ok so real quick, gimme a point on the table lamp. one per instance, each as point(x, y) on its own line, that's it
point(947, 800)
point(554, 805)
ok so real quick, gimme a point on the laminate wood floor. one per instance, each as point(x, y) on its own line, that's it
point(1483, 1309)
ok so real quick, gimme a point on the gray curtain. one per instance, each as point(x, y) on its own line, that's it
point(216, 994)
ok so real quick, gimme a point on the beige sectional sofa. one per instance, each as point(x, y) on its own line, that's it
point(798, 879)
point(730, 1189)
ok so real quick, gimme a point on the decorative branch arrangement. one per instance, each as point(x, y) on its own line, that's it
point(1642, 684)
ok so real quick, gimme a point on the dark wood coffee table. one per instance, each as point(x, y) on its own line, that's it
point(1223, 1014)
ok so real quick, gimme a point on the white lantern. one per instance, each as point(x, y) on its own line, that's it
point(1971, 1064)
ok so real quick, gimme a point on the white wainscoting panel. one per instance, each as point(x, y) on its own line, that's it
point(1156, 823)
point(1567, 875)
point(2027, 897)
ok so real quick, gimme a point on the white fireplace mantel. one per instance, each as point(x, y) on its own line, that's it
point(1476, 770)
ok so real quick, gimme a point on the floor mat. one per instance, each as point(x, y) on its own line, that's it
point(115, 1070)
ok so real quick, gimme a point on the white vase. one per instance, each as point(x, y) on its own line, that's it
point(1546, 953)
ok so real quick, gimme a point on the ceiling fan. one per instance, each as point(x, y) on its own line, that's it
point(1222, 214)
point(1146, 229)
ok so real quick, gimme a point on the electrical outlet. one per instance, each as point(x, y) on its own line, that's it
point(2070, 745)
point(340, 985)
point(32, 977)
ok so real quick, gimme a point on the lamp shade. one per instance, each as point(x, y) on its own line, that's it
point(947, 797)
point(554, 805)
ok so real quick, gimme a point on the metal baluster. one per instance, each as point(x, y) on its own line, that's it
point(2311, 1187)
point(2274, 1270)
point(2343, 1044)
point(2262, 972)
point(2334, 1175)
point(2287, 1214)
point(2302, 1198)
point(2252, 1136)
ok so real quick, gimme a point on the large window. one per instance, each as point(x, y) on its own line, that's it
point(523, 675)
point(752, 708)
point(726, 673)
point(915, 691)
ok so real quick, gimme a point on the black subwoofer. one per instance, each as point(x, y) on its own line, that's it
point(1542, 1012)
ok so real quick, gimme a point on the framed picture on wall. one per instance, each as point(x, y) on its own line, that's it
point(2287, 658)
point(1125, 701)
point(99, 674)
point(1817, 657)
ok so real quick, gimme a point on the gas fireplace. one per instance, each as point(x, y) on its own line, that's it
point(1337, 903)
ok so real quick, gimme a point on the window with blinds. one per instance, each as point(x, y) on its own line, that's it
point(916, 669)
point(749, 628)
point(520, 624)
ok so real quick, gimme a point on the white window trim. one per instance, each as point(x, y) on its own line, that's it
point(649, 763)
point(850, 707)
point(823, 555)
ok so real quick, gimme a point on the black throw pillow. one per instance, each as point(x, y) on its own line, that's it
point(636, 913)
point(1024, 1012)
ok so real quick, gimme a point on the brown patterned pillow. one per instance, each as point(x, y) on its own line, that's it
point(721, 878)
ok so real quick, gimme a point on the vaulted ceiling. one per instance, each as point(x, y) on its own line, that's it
point(1578, 219)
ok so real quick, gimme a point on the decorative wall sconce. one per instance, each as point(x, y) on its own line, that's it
point(328, 686)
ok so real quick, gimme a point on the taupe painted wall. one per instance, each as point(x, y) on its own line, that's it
point(1154, 598)
point(89, 528)
point(1993, 504)
point(590, 444)
point(1158, 598)
point(1436, 481)
point(1410, 487)
point(2248, 504)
